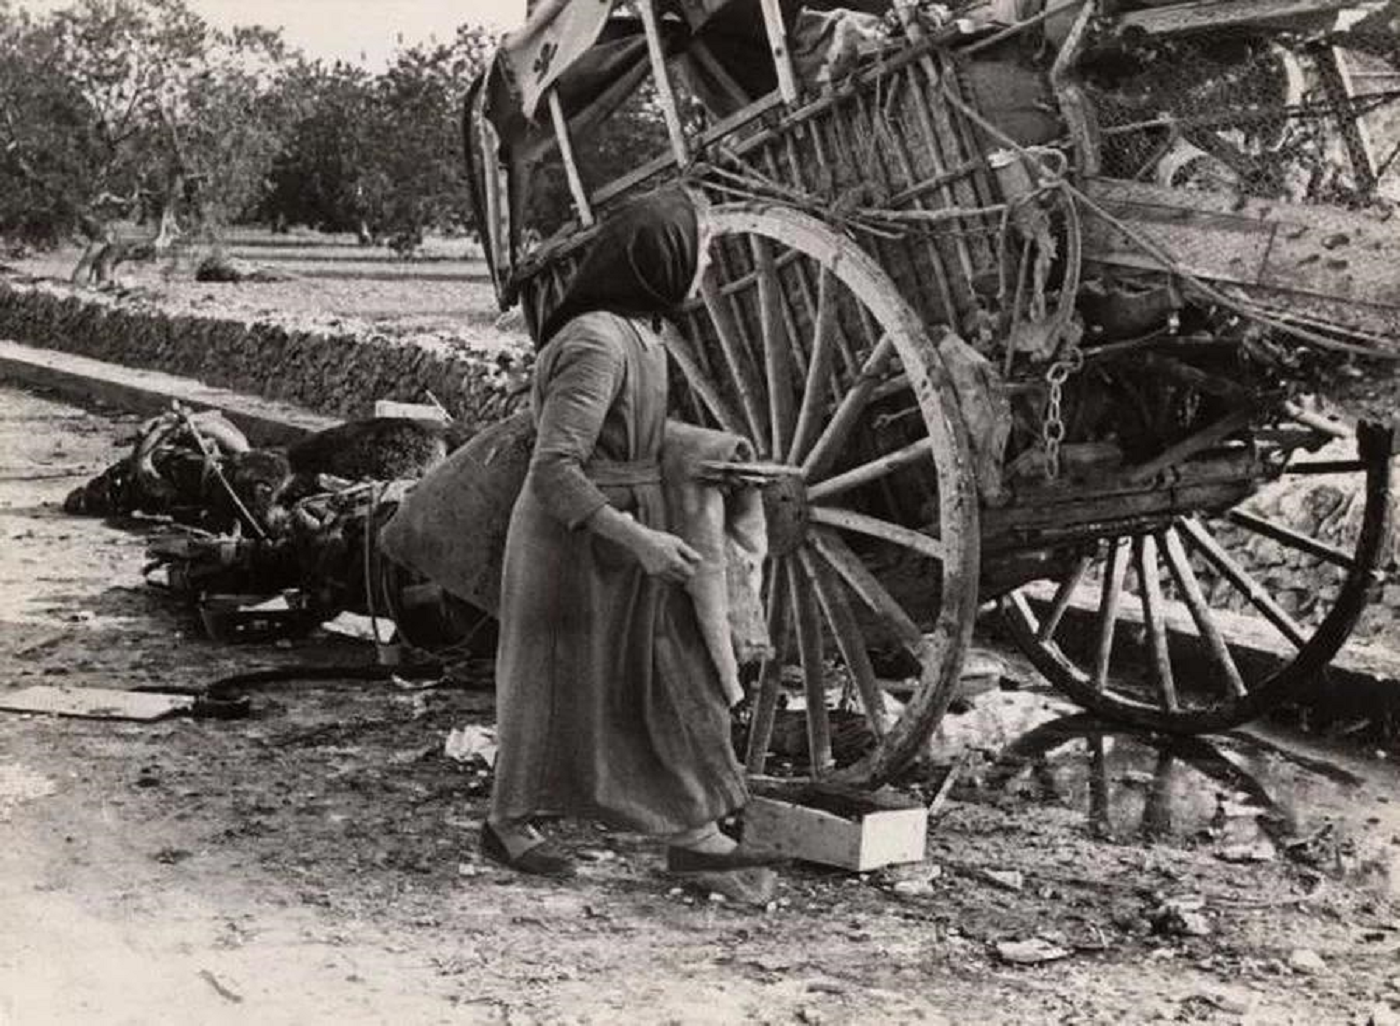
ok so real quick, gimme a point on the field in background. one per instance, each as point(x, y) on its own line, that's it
point(444, 290)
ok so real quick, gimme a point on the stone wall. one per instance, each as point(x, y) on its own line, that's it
point(335, 369)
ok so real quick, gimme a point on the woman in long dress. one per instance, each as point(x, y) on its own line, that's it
point(608, 703)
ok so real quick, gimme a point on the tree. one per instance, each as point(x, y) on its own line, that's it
point(126, 108)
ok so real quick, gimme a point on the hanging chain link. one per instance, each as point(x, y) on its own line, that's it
point(1052, 431)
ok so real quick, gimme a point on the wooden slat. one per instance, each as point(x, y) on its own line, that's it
point(838, 555)
point(566, 156)
point(777, 357)
point(849, 639)
point(1190, 587)
point(838, 430)
point(1255, 593)
point(770, 673)
point(819, 366)
point(874, 527)
point(736, 358)
point(1215, 15)
point(1108, 611)
point(865, 473)
point(809, 644)
point(1150, 595)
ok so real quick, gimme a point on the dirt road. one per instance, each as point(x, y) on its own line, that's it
point(317, 863)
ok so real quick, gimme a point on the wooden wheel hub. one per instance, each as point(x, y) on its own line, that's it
point(785, 507)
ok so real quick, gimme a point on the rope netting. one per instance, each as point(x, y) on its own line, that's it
point(1307, 118)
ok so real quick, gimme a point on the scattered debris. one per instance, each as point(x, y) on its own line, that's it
point(471, 744)
point(221, 989)
point(1030, 952)
point(20, 784)
point(1006, 879)
point(1258, 851)
point(1307, 961)
point(1181, 917)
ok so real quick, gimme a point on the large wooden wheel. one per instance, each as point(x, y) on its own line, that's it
point(803, 345)
point(1146, 626)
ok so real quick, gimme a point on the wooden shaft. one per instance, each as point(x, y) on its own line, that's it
point(862, 523)
point(875, 469)
point(1060, 603)
point(1153, 615)
point(665, 95)
point(1190, 588)
point(838, 555)
point(849, 639)
point(566, 155)
point(777, 45)
point(1108, 611)
point(770, 674)
point(809, 644)
point(819, 366)
point(843, 421)
point(1260, 599)
point(1206, 438)
point(736, 358)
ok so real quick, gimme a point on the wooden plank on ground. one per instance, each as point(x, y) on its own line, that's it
point(94, 703)
point(1220, 14)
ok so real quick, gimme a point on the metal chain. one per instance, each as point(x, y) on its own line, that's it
point(1052, 431)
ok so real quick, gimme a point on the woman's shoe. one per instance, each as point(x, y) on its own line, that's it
point(687, 860)
point(543, 859)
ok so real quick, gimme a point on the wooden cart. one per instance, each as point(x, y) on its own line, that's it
point(1014, 321)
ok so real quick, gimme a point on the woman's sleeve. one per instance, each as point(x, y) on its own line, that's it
point(583, 379)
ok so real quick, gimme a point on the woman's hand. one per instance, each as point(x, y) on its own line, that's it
point(666, 556)
point(660, 553)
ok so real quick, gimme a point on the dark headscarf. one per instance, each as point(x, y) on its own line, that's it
point(641, 263)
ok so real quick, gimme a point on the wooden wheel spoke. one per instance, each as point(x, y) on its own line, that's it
point(838, 430)
point(770, 674)
point(838, 555)
point(849, 639)
point(872, 471)
point(1046, 631)
point(736, 359)
point(1153, 615)
point(862, 523)
point(819, 367)
point(1293, 539)
point(701, 384)
point(1108, 611)
point(809, 644)
point(1252, 590)
point(1190, 587)
point(777, 346)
